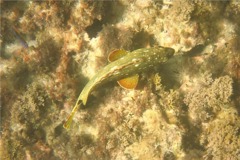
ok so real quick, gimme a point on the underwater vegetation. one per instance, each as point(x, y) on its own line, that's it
point(185, 108)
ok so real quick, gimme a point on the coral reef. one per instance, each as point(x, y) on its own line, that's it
point(222, 135)
point(186, 108)
point(207, 101)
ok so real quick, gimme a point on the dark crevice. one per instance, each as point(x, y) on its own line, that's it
point(142, 39)
point(109, 16)
point(93, 29)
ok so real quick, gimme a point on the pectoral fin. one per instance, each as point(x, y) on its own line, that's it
point(129, 82)
point(116, 54)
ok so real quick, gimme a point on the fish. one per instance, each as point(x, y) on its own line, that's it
point(124, 67)
point(19, 37)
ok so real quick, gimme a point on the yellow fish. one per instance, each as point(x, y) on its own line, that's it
point(124, 67)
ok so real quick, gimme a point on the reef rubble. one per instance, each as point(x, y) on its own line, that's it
point(188, 108)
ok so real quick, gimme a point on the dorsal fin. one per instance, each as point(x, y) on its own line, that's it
point(129, 82)
point(116, 54)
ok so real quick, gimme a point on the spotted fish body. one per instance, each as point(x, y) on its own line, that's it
point(130, 64)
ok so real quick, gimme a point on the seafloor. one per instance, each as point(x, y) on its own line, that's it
point(187, 108)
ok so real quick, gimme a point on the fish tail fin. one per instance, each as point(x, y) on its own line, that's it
point(68, 122)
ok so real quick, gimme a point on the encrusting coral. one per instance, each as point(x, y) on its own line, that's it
point(186, 108)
